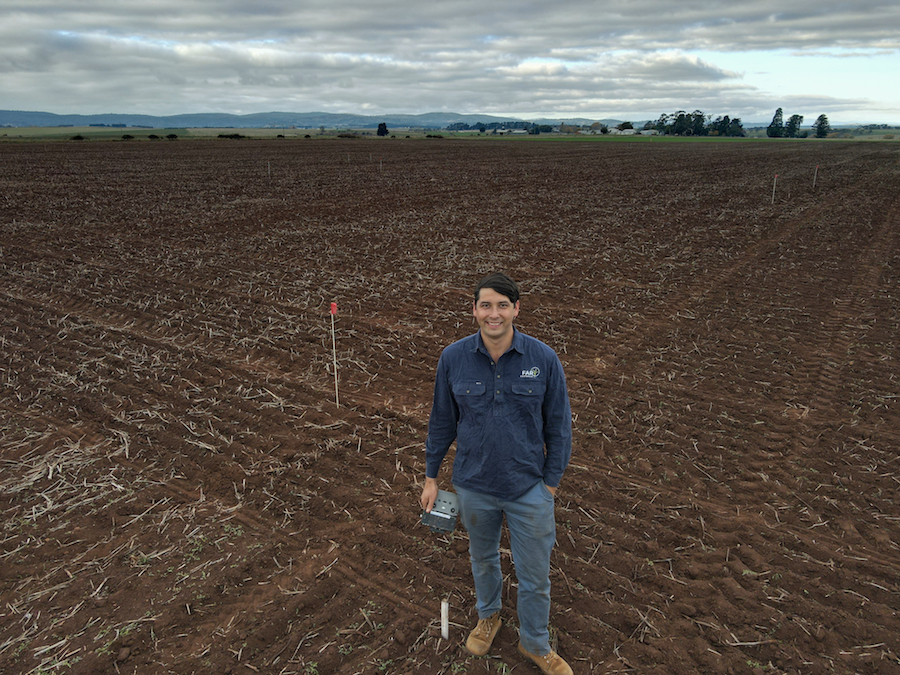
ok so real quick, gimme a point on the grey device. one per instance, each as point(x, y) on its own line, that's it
point(443, 514)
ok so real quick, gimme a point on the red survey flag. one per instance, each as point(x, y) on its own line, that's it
point(334, 308)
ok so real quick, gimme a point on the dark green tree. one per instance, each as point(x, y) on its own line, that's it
point(725, 126)
point(662, 124)
point(698, 123)
point(792, 128)
point(776, 127)
point(736, 128)
point(821, 127)
point(382, 129)
point(719, 127)
point(681, 125)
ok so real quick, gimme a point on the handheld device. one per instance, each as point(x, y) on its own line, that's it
point(443, 514)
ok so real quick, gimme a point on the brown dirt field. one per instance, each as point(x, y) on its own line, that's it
point(181, 494)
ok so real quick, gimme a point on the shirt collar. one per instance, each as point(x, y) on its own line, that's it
point(516, 342)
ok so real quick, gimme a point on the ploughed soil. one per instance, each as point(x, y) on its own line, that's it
point(184, 491)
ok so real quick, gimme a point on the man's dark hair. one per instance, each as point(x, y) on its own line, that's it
point(500, 283)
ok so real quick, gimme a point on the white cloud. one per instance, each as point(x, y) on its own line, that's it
point(613, 58)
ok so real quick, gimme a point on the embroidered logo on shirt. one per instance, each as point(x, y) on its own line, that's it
point(531, 373)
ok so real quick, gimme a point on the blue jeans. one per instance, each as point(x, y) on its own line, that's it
point(532, 534)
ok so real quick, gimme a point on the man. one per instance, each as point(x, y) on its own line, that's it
point(501, 395)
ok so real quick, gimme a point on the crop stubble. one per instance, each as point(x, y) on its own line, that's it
point(180, 493)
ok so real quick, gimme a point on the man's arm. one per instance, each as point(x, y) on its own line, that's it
point(557, 427)
point(441, 433)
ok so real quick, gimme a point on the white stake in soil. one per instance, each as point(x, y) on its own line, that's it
point(445, 619)
point(334, 353)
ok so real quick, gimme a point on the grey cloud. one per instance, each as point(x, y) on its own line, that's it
point(400, 55)
point(620, 23)
point(670, 67)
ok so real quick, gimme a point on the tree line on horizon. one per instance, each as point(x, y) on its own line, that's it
point(681, 123)
point(778, 128)
point(697, 123)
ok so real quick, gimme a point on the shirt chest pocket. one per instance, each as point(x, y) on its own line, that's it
point(527, 400)
point(529, 389)
point(470, 396)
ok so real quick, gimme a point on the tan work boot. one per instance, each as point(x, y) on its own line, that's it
point(550, 664)
point(482, 635)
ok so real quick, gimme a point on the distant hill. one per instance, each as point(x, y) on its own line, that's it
point(277, 120)
point(271, 120)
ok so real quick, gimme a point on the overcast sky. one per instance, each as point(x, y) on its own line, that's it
point(622, 59)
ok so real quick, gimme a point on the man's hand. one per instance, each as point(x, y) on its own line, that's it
point(552, 490)
point(429, 494)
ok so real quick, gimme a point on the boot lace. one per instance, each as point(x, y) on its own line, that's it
point(483, 628)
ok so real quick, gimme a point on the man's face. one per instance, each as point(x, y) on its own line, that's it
point(494, 313)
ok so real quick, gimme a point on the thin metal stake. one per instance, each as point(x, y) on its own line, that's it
point(334, 352)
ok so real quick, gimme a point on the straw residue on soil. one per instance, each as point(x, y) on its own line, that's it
point(180, 493)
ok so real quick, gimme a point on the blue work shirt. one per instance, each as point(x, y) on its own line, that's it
point(511, 419)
